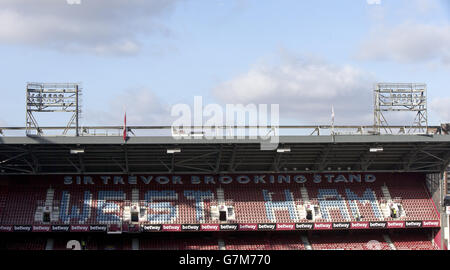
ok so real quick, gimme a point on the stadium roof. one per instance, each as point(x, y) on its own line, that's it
point(148, 154)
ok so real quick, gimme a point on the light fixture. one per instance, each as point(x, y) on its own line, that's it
point(376, 149)
point(76, 151)
point(173, 151)
point(284, 150)
point(306, 169)
point(197, 133)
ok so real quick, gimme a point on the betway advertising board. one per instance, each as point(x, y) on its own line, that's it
point(320, 226)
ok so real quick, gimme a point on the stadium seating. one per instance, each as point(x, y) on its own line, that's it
point(94, 243)
point(23, 242)
point(261, 241)
point(355, 241)
point(188, 204)
point(158, 242)
point(3, 193)
point(23, 202)
point(418, 240)
point(413, 241)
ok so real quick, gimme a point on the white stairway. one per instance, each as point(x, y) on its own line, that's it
point(49, 197)
point(301, 210)
point(135, 200)
point(387, 197)
point(49, 244)
point(220, 196)
point(306, 242)
point(386, 193)
point(127, 213)
point(304, 193)
point(389, 241)
point(135, 244)
point(54, 215)
point(135, 195)
point(385, 210)
point(221, 244)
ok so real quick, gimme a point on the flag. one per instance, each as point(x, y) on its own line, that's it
point(332, 115)
point(125, 128)
point(332, 120)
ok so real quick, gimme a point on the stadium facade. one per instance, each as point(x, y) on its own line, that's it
point(359, 191)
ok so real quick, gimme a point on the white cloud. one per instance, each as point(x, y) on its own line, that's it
point(442, 107)
point(373, 2)
point(101, 26)
point(305, 91)
point(409, 43)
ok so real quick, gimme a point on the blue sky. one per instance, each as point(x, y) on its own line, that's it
point(147, 55)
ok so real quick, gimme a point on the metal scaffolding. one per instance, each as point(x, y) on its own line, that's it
point(401, 97)
point(52, 97)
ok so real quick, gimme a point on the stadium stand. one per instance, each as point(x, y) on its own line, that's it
point(93, 243)
point(23, 242)
point(346, 241)
point(50, 202)
point(182, 241)
point(24, 203)
point(180, 244)
point(370, 240)
point(264, 241)
point(413, 241)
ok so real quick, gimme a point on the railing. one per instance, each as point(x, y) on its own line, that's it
point(218, 130)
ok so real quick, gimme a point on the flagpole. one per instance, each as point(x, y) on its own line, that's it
point(332, 122)
point(125, 131)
